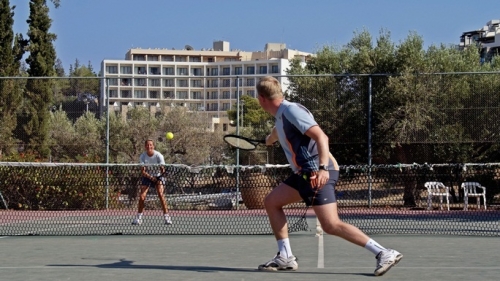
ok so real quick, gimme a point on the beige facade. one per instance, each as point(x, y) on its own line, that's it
point(203, 80)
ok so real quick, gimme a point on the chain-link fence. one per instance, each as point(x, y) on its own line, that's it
point(433, 118)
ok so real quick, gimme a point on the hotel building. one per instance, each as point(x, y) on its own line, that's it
point(487, 39)
point(206, 80)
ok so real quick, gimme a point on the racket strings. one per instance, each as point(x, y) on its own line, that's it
point(301, 224)
point(240, 143)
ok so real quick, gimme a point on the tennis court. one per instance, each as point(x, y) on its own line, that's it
point(235, 257)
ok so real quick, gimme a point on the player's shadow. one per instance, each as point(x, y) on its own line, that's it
point(127, 264)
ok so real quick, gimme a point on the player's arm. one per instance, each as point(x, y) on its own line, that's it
point(272, 137)
point(146, 174)
point(321, 139)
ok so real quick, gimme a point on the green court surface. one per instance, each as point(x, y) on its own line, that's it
point(236, 257)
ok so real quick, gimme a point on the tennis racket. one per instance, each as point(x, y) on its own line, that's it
point(242, 143)
point(301, 224)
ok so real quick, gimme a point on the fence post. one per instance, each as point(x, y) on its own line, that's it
point(238, 133)
point(369, 119)
point(107, 142)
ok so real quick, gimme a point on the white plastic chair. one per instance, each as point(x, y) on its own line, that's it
point(435, 188)
point(474, 189)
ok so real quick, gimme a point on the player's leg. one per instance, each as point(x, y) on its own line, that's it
point(274, 202)
point(143, 191)
point(325, 207)
point(163, 202)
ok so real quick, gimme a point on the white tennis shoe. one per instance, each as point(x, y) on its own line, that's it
point(168, 220)
point(280, 263)
point(137, 221)
point(385, 260)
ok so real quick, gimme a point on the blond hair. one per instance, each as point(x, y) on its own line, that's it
point(269, 88)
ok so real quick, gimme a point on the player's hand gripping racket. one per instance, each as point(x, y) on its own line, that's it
point(242, 142)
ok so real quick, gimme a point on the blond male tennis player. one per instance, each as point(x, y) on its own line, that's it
point(315, 175)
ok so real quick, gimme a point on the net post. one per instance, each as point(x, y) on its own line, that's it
point(3, 201)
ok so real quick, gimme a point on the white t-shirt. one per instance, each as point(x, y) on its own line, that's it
point(157, 158)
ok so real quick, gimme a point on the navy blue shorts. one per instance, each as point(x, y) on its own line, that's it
point(149, 183)
point(325, 195)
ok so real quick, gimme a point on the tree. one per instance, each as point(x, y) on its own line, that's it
point(41, 61)
point(10, 93)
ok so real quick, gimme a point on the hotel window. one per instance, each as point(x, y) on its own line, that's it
point(168, 82)
point(139, 94)
point(214, 95)
point(126, 94)
point(154, 95)
point(125, 82)
point(196, 95)
point(195, 106)
point(196, 83)
point(180, 58)
point(167, 58)
point(226, 71)
point(182, 95)
point(236, 93)
point(182, 71)
point(182, 83)
point(250, 69)
point(226, 95)
point(250, 82)
point(196, 71)
point(112, 69)
point(226, 83)
point(238, 70)
point(113, 82)
point(214, 83)
point(139, 57)
point(126, 69)
point(168, 94)
point(152, 57)
point(251, 93)
point(113, 93)
point(215, 71)
point(154, 82)
point(154, 70)
point(263, 69)
point(225, 106)
point(195, 59)
point(274, 69)
point(237, 82)
point(168, 71)
point(141, 70)
point(140, 82)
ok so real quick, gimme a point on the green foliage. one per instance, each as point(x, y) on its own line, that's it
point(416, 115)
point(41, 61)
point(55, 188)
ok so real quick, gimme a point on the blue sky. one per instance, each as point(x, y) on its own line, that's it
point(94, 30)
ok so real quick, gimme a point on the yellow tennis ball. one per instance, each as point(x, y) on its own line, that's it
point(169, 136)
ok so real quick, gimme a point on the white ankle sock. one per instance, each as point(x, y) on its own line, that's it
point(374, 247)
point(139, 216)
point(284, 248)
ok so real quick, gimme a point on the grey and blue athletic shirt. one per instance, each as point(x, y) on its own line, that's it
point(292, 122)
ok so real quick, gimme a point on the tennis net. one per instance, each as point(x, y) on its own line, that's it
point(101, 199)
